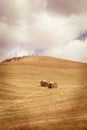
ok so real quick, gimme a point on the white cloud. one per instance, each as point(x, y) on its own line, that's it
point(75, 50)
point(20, 52)
point(29, 24)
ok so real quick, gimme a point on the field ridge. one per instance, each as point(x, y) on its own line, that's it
point(45, 61)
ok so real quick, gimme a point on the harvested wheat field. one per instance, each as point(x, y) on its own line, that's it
point(25, 105)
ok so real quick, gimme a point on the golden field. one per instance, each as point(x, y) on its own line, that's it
point(25, 105)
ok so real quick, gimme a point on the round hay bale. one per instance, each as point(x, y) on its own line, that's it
point(44, 83)
point(52, 85)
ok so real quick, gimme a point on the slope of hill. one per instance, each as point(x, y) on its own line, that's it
point(25, 105)
point(45, 61)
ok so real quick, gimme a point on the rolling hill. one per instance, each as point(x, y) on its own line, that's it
point(25, 105)
point(45, 61)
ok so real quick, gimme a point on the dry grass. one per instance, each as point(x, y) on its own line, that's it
point(45, 61)
point(24, 105)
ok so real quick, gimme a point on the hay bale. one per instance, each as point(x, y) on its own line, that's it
point(52, 85)
point(44, 83)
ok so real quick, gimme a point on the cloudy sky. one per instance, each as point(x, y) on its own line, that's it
point(55, 28)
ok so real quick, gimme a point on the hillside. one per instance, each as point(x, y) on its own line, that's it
point(45, 61)
point(25, 105)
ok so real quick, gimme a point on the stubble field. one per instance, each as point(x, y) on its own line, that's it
point(25, 105)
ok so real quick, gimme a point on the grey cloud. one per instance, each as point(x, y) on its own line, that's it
point(67, 7)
